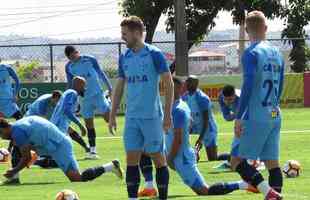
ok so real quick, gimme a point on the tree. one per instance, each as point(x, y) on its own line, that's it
point(297, 16)
point(148, 10)
point(29, 72)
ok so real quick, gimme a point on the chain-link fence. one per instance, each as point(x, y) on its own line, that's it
point(46, 63)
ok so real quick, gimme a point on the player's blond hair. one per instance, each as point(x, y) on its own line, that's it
point(254, 21)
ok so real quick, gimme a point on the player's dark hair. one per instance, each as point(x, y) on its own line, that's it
point(56, 94)
point(4, 123)
point(133, 23)
point(69, 50)
point(228, 90)
point(177, 81)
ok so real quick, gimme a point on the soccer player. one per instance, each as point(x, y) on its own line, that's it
point(140, 69)
point(42, 136)
point(94, 98)
point(8, 106)
point(258, 120)
point(44, 105)
point(203, 122)
point(181, 156)
point(64, 112)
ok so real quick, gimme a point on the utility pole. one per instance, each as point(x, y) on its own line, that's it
point(181, 46)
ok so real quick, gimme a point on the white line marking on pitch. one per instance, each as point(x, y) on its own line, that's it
point(223, 133)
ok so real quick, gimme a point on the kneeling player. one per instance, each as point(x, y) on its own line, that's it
point(181, 156)
point(64, 111)
point(38, 134)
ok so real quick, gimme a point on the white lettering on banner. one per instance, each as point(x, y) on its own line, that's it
point(26, 93)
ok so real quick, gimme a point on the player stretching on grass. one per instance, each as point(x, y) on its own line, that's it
point(258, 120)
point(9, 108)
point(140, 68)
point(181, 156)
point(94, 98)
point(203, 122)
point(42, 136)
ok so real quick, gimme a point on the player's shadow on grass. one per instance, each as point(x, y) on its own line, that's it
point(221, 172)
point(173, 197)
point(30, 184)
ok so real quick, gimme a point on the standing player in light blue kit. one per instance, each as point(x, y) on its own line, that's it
point(40, 135)
point(140, 69)
point(181, 156)
point(258, 120)
point(8, 106)
point(94, 98)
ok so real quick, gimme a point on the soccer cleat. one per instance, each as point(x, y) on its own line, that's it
point(92, 156)
point(252, 189)
point(147, 192)
point(273, 195)
point(14, 181)
point(117, 170)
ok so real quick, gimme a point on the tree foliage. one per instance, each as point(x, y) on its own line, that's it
point(29, 72)
point(297, 16)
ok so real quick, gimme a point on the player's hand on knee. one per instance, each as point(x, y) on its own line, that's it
point(238, 128)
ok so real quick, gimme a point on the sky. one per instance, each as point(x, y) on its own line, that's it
point(77, 19)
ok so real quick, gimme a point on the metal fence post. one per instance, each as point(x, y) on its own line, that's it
point(119, 49)
point(51, 62)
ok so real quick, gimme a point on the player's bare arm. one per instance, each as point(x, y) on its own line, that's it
point(25, 159)
point(168, 82)
point(198, 144)
point(116, 99)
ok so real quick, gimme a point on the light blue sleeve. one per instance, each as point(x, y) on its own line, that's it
point(15, 78)
point(203, 101)
point(225, 110)
point(69, 75)
point(178, 118)
point(160, 61)
point(249, 67)
point(101, 74)
point(69, 104)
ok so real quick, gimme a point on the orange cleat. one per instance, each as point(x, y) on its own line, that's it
point(252, 189)
point(147, 192)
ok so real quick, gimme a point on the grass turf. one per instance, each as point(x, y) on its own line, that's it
point(39, 184)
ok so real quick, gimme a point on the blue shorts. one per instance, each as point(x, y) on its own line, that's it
point(144, 135)
point(187, 169)
point(235, 147)
point(260, 140)
point(95, 103)
point(64, 157)
point(210, 139)
point(8, 107)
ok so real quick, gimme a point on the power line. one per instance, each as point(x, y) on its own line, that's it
point(49, 6)
point(50, 16)
point(87, 12)
point(49, 12)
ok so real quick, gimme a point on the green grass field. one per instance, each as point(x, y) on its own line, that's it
point(39, 184)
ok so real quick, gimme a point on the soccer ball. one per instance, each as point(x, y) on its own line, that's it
point(67, 195)
point(4, 155)
point(292, 169)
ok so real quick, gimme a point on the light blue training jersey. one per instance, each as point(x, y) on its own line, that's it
point(141, 71)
